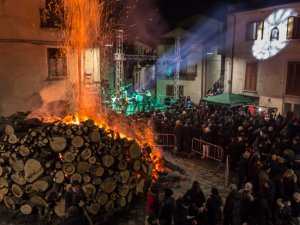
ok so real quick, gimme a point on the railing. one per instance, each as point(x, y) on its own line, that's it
point(207, 150)
point(164, 140)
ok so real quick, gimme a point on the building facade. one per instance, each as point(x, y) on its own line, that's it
point(34, 68)
point(263, 56)
point(201, 63)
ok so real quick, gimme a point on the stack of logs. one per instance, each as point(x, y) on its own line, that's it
point(38, 161)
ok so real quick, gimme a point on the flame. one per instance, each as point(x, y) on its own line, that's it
point(89, 24)
point(60, 156)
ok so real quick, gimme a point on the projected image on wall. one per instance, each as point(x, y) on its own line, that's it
point(272, 34)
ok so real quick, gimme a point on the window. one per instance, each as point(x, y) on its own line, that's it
point(254, 30)
point(293, 79)
point(57, 63)
point(170, 90)
point(293, 29)
point(52, 16)
point(274, 34)
point(191, 70)
point(251, 76)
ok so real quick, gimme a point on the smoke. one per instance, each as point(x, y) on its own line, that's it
point(143, 22)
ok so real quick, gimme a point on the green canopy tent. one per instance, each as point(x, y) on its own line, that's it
point(229, 99)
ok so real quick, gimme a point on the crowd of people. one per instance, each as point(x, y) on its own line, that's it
point(264, 152)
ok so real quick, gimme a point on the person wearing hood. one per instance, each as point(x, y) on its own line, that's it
point(213, 207)
point(231, 209)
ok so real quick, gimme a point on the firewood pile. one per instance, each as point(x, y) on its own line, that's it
point(38, 161)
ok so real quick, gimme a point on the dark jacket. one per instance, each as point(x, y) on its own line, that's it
point(232, 209)
point(178, 132)
point(166, 211)
point(180, 215)
point(213, 206)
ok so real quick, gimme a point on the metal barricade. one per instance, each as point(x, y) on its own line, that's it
point(207, 150)
point(164, 140)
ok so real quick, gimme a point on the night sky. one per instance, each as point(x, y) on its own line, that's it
point(148, 20)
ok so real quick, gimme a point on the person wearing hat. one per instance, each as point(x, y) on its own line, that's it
point(74, 199)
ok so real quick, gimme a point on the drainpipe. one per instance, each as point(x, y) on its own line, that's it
point(232, 52)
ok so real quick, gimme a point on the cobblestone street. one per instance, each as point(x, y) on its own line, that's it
point(206, 172)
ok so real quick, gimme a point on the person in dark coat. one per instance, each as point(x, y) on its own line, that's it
point(197, 200)
point(260, 212)
point(188, 136)
point(231, 209)
point(242, 168)
point(178, 132)
point(74, 199)
point(166, 208)
point(181, 213)
point(246, 201)
point(213, 207)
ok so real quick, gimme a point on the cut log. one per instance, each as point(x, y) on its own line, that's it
point(108, 185)
point(102, 198)
point(68, 168)
point(122, 165)
point(134, 151)
point(97, 170)
point(94, 208)
point(86, 178)
point(1, 198)
point(107, 160)
point(58, 165)
point(109, 206)
point(33, 170)
point(58, 144)
point(89, 190)
point(137, 165)
point(140, 186)
point(116, 150)
point(36, 200)
point(113, 196)
point(95, 136)
point(124, 176)
point(11, 202)
point(24, 151)
point(26, 209)
point(3, 190)
point(3, 182)
point(9, 130)
point(59, 208)
point(122, 202)
point(17, 191)
point(77, 177)
point(123, 190)
point(42, 184)
point(18, 178)
point(12, 139)
point(97, 181)
point(92, 160)
point(59, 177)
point(83, 167)
point(77, 142)
point(89, 123)
point(129, 197)
point(16, 164)
point(86, 154)
point(69, 156)
point(28, 188)
point(132, 182)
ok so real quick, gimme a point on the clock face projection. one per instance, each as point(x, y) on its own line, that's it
point(274, 34)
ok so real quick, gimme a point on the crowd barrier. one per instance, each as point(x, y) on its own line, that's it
point(164, 140)
point(214, 152)
point(207, 150)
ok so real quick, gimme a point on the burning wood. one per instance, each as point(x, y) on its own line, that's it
point(39, 160)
